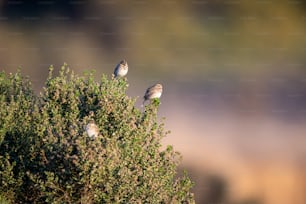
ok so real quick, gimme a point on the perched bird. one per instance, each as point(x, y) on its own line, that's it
point(154, 91)
point(92, 129)
point(121, 69)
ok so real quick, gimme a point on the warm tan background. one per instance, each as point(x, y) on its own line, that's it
point(233, 72)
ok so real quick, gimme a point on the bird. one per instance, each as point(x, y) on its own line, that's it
point(152, 92)
point(121, 69)
point(92, 129)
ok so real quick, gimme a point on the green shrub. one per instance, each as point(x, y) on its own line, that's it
point(46, 156)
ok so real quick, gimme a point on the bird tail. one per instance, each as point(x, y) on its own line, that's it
point(143, 103)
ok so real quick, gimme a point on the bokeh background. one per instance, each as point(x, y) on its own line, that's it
point(233, 72)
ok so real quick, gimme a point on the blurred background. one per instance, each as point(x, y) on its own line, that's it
point(233, 72)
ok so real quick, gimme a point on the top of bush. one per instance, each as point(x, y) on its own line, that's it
point(46, 155)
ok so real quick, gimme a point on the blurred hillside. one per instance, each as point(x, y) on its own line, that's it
point(233, 71)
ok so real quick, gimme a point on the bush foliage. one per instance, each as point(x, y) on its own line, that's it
point(46, 156)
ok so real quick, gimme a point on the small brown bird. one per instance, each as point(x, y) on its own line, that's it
point(121, 69)
point(152, 92)
point(92, 129)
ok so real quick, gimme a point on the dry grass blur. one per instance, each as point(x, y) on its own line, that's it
point(233, 72)
point(256, 158)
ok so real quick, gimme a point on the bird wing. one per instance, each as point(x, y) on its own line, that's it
point(148, 93)
point(116, 69)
